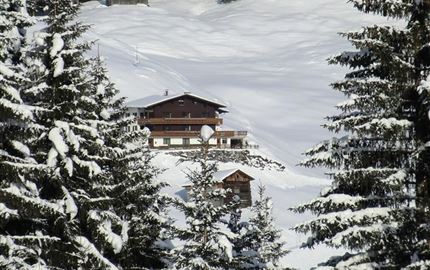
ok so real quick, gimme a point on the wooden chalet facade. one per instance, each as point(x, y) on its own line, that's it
point(237, 181)
point(116, 2)
point(176, 121)
point(126, 2)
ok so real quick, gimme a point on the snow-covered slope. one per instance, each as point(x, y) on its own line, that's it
point(265, 59)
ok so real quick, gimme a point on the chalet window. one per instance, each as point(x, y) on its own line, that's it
point(187, 128)
point(167, 115)
point(186, 141)
point(142, 114)
point(224, 141)
point(186, 114)
point(166, 141)
point(236, 190)
point(135, 114)
point(134, 128)
point(127, 114)
point(181, 102)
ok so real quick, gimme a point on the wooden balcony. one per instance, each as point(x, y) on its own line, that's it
point(231, 134)
point(179, 121)
point(193, 134)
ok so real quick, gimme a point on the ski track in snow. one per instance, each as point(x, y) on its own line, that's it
point(266, 60)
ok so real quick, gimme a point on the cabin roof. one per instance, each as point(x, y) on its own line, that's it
point(220, 176)
point(150, 101)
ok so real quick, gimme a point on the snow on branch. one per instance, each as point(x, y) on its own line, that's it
point(87, 248)
point(29, 206)
point(334, 201)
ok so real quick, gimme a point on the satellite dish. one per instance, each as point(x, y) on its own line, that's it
point(206, 133)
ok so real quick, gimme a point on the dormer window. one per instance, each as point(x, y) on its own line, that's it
point(181, 102)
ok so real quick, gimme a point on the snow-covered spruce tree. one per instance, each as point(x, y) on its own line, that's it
point(375, 206)
point(18, 250)
point(138, 203)
point(72, 146)
point(258, 244)
point(36, 7)
point(15, 116)
point(206, 241)
point(20, 241)
point(421, 259)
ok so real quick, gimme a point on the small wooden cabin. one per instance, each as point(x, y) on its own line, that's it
point(126, 2)
point(237, 181)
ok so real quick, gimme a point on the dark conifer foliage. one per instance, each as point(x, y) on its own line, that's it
point(258, 243)
point(92, 203)
point(132, 178)
point(376, 206)
point(206, 241)
point(18, 214)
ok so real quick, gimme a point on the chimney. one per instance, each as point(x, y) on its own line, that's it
point(166, 92)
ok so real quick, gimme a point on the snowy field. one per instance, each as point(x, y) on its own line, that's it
point(264, 59)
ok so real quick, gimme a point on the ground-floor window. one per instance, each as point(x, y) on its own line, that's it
point(186, 141)
point(166, 141)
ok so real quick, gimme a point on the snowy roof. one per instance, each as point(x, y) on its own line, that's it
point(219, 176)
point(157, 99)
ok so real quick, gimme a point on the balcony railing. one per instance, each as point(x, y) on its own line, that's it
point(230, 134)
point(179, 121)
point(187, 134)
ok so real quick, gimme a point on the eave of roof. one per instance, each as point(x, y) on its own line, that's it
point(154, 100)
point(220, 176)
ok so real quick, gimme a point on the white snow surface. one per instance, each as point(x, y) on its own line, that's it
point(55, 136)
point(70, 204)
point(58, 66)
point(265, 60)
point(21, 148)
point(57, 44)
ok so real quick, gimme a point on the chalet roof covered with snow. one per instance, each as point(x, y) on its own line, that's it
point(150, 101)
point(220, 176)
